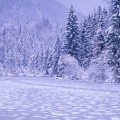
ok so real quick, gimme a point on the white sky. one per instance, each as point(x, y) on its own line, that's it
point(84, 6)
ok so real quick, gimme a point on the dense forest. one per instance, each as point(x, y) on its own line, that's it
point(89, 50)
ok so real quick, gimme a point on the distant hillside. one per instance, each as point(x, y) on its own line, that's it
point(32, 10)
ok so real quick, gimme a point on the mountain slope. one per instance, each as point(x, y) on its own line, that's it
point(32, 10)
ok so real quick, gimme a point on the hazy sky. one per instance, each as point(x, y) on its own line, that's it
point(84, 6)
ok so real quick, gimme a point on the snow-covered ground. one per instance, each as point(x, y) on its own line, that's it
point(42, 98)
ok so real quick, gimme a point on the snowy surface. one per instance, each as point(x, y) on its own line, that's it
point(30, 98)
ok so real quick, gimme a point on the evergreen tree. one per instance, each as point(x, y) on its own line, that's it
point(41, 59)
point(82, 52)
point(47, 61)
point(56, 56)
point(37, 62)
point(99, 12)
point(2, 51)
point(94, 22)
point(113, 39)
point(85, 52)
point(71, 45)
point(99, 42)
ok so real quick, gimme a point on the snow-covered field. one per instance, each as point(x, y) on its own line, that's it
point(29, 98)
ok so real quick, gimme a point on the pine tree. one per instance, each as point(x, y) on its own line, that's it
point(113, 39)
point(71, 45)
point(47, 61)
point(37, 62)
point(41, 65)
point(99, 42)
point(56, 56)
point(82, 52)
point(85, 52)
point(2, 51)
point(99, 12)
point(94, 22)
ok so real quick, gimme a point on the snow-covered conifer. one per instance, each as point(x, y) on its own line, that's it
point(56, 55)
point(71, 45)
point(113, 39)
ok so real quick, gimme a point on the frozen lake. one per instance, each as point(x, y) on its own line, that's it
point(42, 98)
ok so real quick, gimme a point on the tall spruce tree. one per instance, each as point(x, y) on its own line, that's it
point(83, 42)
point(85, 53)
point(71, 45)
point(94, 22)
point(99, 42)
point(113, 39)
point(56, 55)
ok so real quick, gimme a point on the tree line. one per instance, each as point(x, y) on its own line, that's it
point(41, 49)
